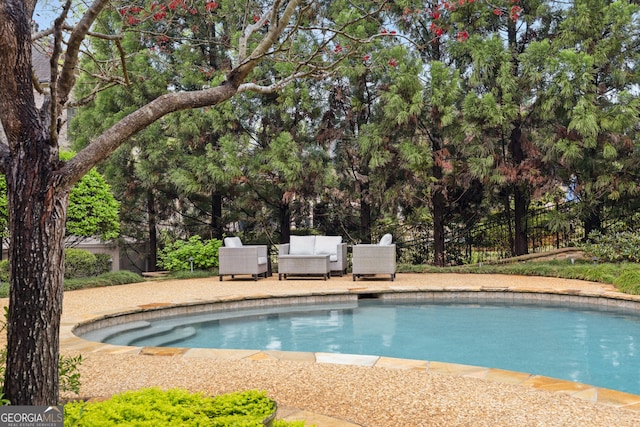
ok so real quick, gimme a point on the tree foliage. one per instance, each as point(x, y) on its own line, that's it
point(93, 211)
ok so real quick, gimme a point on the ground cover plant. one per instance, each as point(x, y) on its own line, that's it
point(624, 276)
point(154, 407)
point(121, 277)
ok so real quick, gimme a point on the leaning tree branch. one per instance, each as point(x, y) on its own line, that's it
point(113, 137)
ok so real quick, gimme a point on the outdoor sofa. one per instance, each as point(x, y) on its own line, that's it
point(312, 255)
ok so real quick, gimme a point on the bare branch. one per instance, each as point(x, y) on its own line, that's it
point(237, 75)
point(67, 75)
point(57, 48)
point(253, 87)
point(42, 34)
point(90, 97)
point(123, 61)
point(251, 29)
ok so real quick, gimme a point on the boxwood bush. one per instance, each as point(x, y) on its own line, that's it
point(82, 263)
point(154, 407)
point(78, 263)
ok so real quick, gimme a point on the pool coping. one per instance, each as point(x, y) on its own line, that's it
point(71, 342)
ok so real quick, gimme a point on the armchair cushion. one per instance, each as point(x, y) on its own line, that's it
point(232, 242)
point(386, 240)
point(328, 245)
point(302, 245)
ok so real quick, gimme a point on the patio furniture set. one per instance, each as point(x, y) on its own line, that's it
point(308, 256)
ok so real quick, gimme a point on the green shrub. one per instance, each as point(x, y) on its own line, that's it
point(103, 264)
point(154, 407)
point(614, 247)
point(78, 263)
point(121, 277)
point(4, 271)
point(178, 255)
point(69, 374)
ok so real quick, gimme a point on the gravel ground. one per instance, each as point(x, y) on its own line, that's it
point(368, 396)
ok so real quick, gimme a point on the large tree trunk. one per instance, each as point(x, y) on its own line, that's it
point(520, 198)
point(216, 215)
point(37, 213)
point(36, 258)
point(520, 206)
point(284, 217)
point(152, 257)
point(439, 206)
point(438, 201)
point(365, 213)
point(592, 221)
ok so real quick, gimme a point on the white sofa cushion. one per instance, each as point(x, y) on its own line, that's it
point(328, 245)
point(302, 245)
point(386, 240)
point(262, 260)
point(232, 242)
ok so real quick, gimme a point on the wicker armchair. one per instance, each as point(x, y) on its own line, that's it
point(371, 259)
point(236, 258)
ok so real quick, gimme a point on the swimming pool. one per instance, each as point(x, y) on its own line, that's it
point(586, 344)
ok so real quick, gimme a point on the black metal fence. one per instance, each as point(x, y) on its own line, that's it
point(548, 227)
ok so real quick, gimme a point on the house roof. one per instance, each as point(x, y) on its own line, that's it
point(40, 62)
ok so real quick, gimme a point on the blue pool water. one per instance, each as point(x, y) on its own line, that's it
point(586, 345)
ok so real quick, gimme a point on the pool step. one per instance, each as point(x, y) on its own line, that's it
point(141, 331)
point(110, 332)
point(163, 336)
